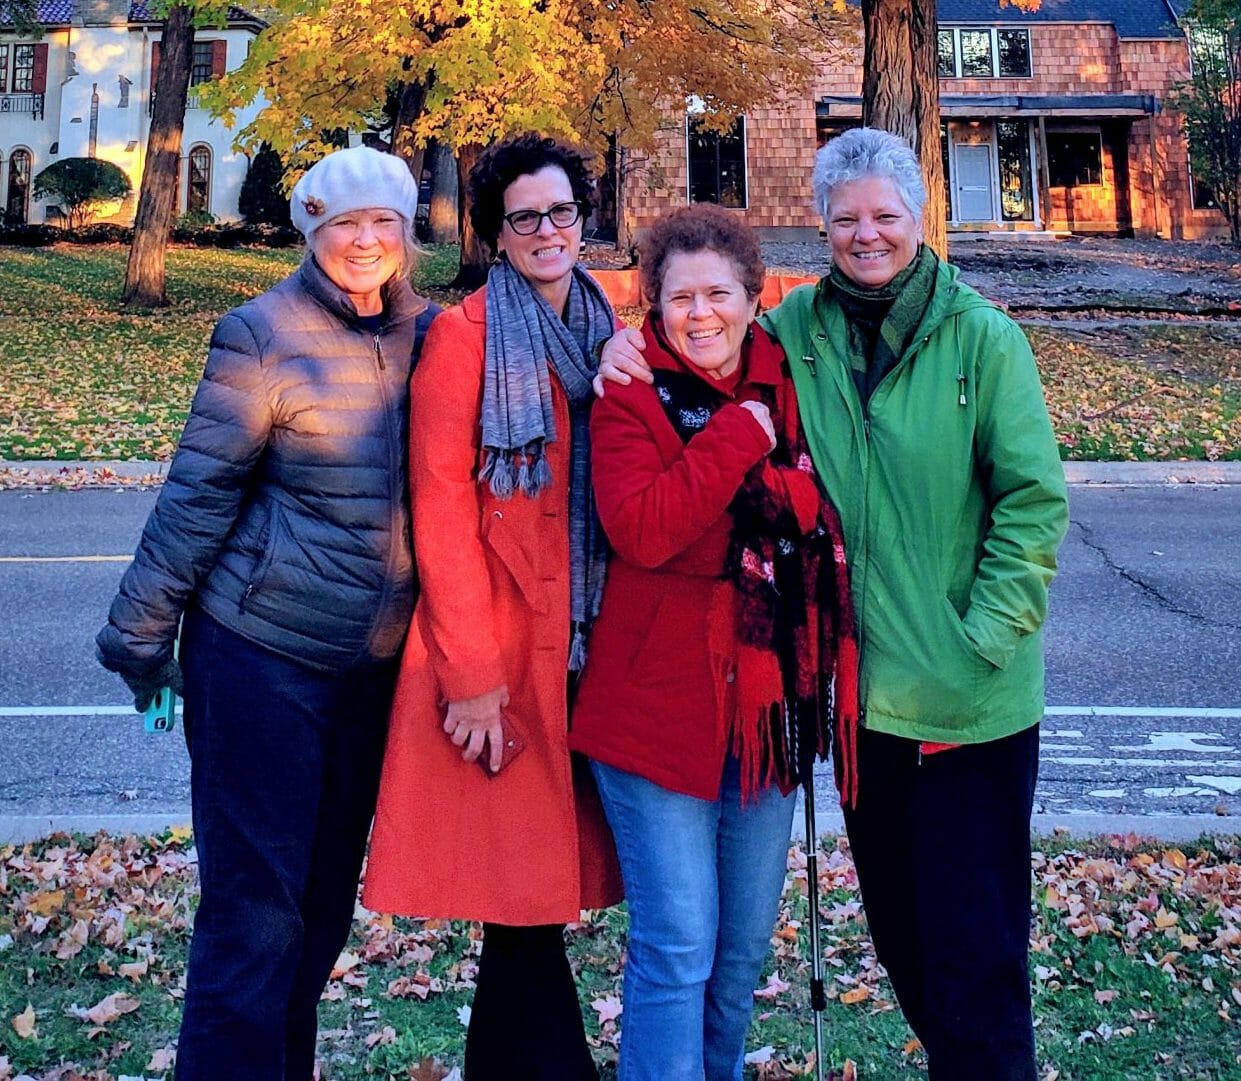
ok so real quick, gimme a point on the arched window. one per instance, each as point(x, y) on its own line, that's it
point(198, 180)
point(17, 206)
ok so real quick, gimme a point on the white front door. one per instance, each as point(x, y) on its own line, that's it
point(975, 200)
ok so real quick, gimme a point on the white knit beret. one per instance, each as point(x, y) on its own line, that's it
point(355, 179)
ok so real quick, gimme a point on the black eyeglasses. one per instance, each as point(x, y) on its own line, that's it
point(527, 222)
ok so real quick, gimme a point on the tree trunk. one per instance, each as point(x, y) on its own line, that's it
point(475, 259)
point(413, 98)
point(900, 93)
point(161, 175)
point(443, 217)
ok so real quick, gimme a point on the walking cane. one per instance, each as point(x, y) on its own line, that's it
point(818, 996)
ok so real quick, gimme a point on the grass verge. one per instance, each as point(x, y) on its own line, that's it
point(1136, 966)
point(80, 378)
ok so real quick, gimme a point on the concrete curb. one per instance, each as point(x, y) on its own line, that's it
point(18, 829)
point(1118, 474)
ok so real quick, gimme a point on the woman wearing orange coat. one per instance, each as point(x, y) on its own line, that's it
point(510, 556)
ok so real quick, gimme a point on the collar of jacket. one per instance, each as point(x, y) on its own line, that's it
point(761, 356)
point(400, 301)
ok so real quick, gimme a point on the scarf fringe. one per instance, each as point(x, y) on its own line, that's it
point(507, 472)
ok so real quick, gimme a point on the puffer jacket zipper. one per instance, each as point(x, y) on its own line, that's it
point(394, 473)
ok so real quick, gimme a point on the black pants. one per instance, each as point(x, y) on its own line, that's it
point(526, 1024)
point(284, 773)
point(942, 848)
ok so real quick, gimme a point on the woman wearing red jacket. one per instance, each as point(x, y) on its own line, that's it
point(723, 652)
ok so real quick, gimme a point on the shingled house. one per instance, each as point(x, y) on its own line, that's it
point(82, 88)
point(1052, 120)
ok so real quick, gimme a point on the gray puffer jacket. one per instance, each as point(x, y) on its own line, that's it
point(285, 514)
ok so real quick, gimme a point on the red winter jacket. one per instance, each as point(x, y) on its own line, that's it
point(655, 698)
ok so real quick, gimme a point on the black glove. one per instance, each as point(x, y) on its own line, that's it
point(144, 687)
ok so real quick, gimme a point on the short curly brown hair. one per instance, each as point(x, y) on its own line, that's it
point(701, 227)
point(520, 155)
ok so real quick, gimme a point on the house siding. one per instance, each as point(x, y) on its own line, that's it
point(1145, 183)
point(84, 61)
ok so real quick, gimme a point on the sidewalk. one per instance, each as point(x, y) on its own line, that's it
point(1121, 474)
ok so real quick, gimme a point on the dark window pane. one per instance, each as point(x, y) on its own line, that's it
point(943, 150)
point(23, 68)
point(947, 54)
point(19, 188)
point(976, 54)
point(1074, 159)
point(198, 193)
point(1014, 50)
point(200, 72)
point(1016, 195)
point(717, 165)
point(4, 68)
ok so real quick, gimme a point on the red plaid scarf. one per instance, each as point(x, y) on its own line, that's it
point(797, 653)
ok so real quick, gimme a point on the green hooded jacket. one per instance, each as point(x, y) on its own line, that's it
point(952, 495)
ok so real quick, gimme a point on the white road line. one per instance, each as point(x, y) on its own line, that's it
point(66, 559)
point(1141, 711)
point(1051, 711)
point(69, 711)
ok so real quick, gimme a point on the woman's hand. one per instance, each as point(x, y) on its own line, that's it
point(622, 361)
point(472, 720)
point(763, 415)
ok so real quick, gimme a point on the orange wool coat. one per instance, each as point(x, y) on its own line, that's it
point(530, 846)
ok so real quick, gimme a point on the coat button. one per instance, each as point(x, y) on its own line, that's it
point(731, 677)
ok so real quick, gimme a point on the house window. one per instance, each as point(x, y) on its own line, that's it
point(1016, 190)
point(23, 68)
point(1012, 54)
point(4, 69)
point(200, 70)
point(977, 60)
point(198, 181)
point(18, 203)
point(1201, 197)
point(717, 164)
point(1074, 159)
point(981, 53)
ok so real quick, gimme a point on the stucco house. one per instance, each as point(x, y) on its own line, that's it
point(83, 89)
point(1054, 120)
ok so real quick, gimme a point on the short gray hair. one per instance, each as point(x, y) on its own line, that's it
point(864, 152)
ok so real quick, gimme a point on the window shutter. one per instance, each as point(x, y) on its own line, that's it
point(38, 81)
point(154, 63)
point(219, 53)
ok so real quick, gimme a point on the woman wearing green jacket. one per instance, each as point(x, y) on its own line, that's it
point(923, 410)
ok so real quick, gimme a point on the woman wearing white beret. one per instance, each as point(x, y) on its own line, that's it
point(282, 537)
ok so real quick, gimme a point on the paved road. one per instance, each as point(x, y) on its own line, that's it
point(1144, 661)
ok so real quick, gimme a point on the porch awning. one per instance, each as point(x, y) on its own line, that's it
point(977, 105)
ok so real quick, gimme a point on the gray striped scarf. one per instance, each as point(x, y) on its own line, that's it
point(524, 338)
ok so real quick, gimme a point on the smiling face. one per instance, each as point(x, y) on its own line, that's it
point(547, 256)
point(360, 250)
point(872, 233)
point(705, 310)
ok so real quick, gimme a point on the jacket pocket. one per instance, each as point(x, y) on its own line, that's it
point(502, 539)
point(672, 643)
point(275, 530)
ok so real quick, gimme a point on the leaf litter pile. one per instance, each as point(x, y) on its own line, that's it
point(1136, 965)
point(82, 378)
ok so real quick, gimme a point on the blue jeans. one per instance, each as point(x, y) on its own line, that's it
point(284, 771)
point(702, 881)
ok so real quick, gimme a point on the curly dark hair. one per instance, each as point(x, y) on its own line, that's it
point(701, 227)
point(520, 155)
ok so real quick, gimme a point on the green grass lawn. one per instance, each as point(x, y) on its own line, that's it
point(80, 378)
point(1136, 970)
